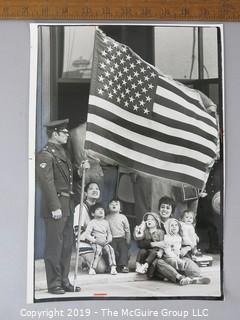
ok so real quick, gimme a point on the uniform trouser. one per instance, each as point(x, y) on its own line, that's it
point(169, 268)
point(120, 248)
point(58, 250)
point(98, 252)
point(147, 255)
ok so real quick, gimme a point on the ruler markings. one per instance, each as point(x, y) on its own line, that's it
point(122, 10)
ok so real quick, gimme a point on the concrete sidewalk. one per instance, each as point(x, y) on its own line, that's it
point(129, 285)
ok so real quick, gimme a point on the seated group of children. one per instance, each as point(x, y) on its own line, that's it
point(173, 235)
point(111, 235)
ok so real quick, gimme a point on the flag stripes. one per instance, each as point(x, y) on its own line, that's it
point(114, 135)
point(121, 155)
point(146, 121)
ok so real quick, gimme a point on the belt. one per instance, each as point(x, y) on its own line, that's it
point(65, 194)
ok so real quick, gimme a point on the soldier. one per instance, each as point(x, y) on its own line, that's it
point(55, 174)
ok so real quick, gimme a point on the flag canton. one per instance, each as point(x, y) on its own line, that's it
point(123, 78)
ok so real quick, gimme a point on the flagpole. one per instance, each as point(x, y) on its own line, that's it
point(79, 226)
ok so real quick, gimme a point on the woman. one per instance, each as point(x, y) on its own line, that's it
point(92, 195)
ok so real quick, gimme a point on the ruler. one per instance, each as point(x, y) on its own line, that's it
point(205, 10)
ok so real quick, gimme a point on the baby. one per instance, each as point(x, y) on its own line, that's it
point(189, 236)
point(121, 236)
point(148, 231)
point(98, 233)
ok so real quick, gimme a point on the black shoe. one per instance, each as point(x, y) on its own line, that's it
point(123, 269)
point(56, 290)
point(70, 288)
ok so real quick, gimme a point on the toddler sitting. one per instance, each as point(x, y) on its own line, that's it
point(98, 233)
point(148, 231)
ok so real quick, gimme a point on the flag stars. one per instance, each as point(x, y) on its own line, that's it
point(122, 61)
point(105, 40)
point(146, 78)
point(108, 61)
point(122, 95)
point(137, 94)
point(119, 86)
point(110, 95)
point(125, 69)
point(102, 65)
point(119, 53)
point(126, 104)
point(118, 99)
point(107, 74)
point(146, 111)
point(101, 78)
point(128, 57)
point(113, 57)
point(142, 70)
point(135, 107)
point(109, 49)
point(110, 82)
point(114, 91)
point(100, 91)
point(134, 86)
point(131, 99)
point(140, 82)
point(129, 78)
point(106, 87)
point(150, 86)
point(132, 65)
point(120, 74)
point(124, 82)
point(127, 91)
point(153, 75)
point(112, 69)
point(136, 74)
point(115, 78)
point(144, 90)
point(124, 49)
point(116, 65)
point(148, 99)
point(104, 53)
point(141, 103)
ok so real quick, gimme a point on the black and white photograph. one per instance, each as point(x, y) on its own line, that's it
point(126, 162)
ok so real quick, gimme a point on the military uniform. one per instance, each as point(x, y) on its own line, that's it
point(55, 174)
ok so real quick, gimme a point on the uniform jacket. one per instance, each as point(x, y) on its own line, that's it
point(55, 173)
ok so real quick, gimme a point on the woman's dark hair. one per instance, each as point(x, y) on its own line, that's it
point(89, 183)
point(167, 200)
point(96, 206)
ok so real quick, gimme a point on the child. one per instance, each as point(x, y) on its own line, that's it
point(148, 231)
point(98, 233)
point(189, 236)
point(121, 236)
point(173, 255)
point(173, 243)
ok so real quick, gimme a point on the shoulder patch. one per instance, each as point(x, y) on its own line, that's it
point(43, 165)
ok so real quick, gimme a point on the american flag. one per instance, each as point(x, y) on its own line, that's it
point(145, 120)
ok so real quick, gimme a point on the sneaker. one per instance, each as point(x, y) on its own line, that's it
point(184, 281)
point(92, 271)
point(113, 270)
point(140, 269)
point(145, 267)
point(200, 280)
